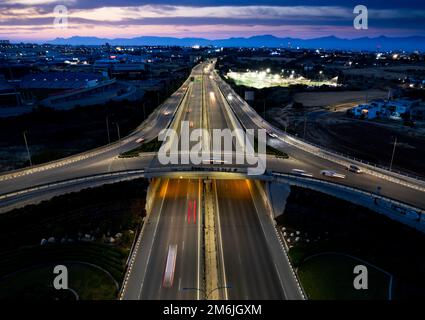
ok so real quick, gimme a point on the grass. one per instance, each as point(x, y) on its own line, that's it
point(110, 258)
point(88, 282)
point(152, 146)
point(330, 276)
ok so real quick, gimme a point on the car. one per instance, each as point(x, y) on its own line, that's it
point(302, 173)
point(332, 174)
point(166, 113)
point(140, 140)
point(355, 169)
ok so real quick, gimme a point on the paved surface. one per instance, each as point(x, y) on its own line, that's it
point(168, 225)
point(249, 267)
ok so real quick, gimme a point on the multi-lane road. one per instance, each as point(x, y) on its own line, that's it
point(245, 263)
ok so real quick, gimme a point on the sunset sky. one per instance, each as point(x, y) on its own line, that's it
point(32, 20)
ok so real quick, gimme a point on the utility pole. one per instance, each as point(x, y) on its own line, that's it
point(144, 110)
point(392, 156)
point(107, 130)
point(118, 131)
point(26, 145)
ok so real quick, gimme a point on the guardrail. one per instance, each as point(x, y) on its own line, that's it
point(71, 181)
point(208, 169)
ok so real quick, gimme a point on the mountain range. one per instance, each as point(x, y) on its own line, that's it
point(365, 43)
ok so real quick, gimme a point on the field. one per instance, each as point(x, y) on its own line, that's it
point(262, 80)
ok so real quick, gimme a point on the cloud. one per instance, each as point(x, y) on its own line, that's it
point(106, 14)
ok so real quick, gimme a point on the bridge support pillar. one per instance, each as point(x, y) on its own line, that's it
point(277, 194)
point(150, 194)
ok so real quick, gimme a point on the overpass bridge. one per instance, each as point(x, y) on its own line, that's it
point(403, 212)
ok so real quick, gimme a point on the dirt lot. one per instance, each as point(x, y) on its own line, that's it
point(325, 99)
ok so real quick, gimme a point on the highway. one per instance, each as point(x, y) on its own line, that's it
point(252, 275)
point(245, 261)
point(106, 160)
point(176, 219)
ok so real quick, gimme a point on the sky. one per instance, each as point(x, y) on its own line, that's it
point(34, 20)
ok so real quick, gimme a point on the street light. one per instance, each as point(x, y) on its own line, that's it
point(119, 136)
point(26, 145)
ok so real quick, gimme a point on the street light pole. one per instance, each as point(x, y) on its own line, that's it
point(392, 156)
point(26, 145)
point(119, 137)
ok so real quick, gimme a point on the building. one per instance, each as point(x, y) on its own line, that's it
point(372, 110)
point(41, 85)
point(86, 96)
point(9, 95)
